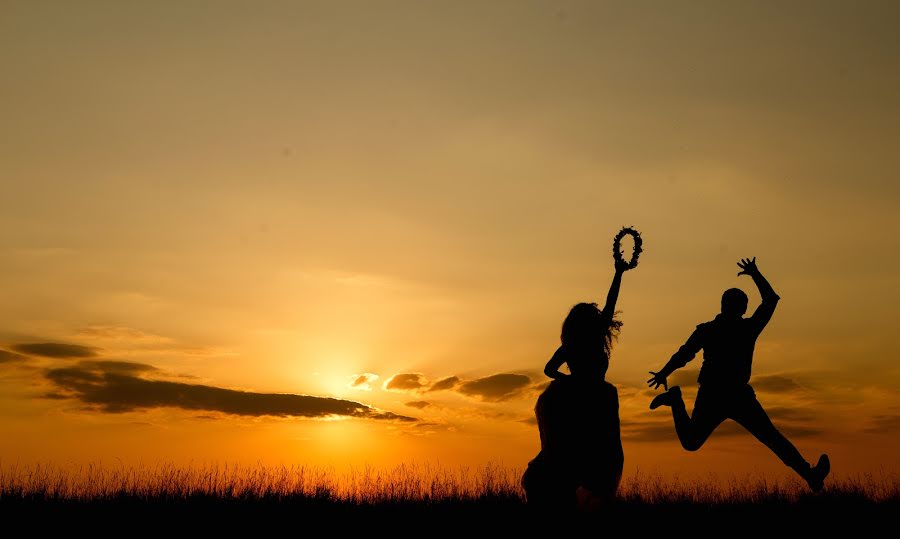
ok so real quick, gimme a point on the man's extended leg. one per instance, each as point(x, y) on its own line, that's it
point(693, 430)
point(749, 413)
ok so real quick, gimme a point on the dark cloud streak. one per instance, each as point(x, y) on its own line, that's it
point(115, 387)
point(882, 424)
point(769, 383)
point(11, 357)
point(664, 431)
point(445, 383)
point(684, 377)
point(774, 383)
point(649, 432)
point(497, 387)
point(409, 381)
point(55, 350)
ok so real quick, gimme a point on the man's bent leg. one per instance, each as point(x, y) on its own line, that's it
point(693, 431)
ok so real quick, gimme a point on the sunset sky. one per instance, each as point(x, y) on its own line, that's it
point(213, 214)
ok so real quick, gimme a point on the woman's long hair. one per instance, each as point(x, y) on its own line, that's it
point(586, 325)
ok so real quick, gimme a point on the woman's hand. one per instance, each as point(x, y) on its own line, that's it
point(556, 375)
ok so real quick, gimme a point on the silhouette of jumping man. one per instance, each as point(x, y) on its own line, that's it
point(725, 392)
point(581, 458)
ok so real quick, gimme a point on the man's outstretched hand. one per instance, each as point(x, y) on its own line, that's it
point(659, 379)
point(748, 267)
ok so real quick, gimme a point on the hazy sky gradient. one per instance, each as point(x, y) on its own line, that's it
point(277, 197)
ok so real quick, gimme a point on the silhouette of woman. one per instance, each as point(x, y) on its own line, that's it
point(580, 462)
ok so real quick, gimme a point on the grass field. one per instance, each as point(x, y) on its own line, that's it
point(167, 494)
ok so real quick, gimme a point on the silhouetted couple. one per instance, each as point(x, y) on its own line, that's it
point(581, 458)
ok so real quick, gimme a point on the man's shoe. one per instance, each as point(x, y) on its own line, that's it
point(815, 478)
point(668, 398)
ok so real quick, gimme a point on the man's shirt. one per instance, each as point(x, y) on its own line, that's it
point(727, 345)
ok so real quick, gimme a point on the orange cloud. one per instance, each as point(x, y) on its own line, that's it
point(363, 381)
point(418, 404)
point(444, 384)
point(497, 387)
point(411, 381)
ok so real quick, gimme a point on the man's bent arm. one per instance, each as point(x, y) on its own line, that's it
point(765, 289)
point(766, 309)
point(685, 354)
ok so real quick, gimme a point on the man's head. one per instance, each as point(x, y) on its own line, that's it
point(734, 303)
